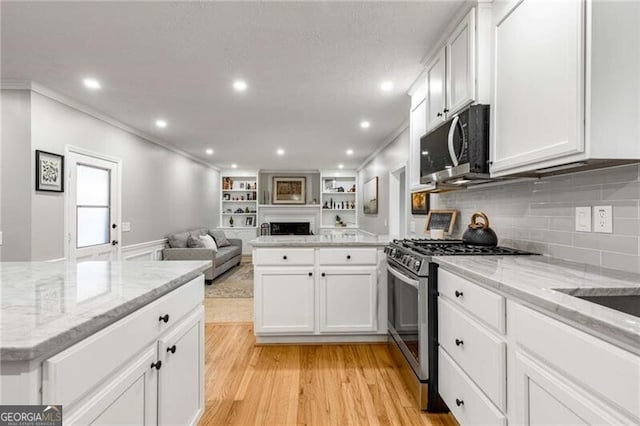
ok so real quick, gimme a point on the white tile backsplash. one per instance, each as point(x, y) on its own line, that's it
point(539, 215)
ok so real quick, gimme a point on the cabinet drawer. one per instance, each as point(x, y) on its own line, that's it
point(99, 355)
point(279, 257)
point(479, 353)
point(606, 370)
point(464, 399)
point(356, 256)
point(486, 305)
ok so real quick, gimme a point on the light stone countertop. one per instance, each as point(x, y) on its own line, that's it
point(47, 307)
point(352, 238)
point(535, 280)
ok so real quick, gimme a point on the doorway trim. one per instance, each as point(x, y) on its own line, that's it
point(394, 194)
point(69, 209)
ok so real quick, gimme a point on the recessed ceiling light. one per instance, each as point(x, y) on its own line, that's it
point(365, 124)
point(240, 85)
point(341, 166)
point(280, 151)
point(209, 151)
point(234, 166)
point(386, 86)
point(425, 152)
point(92, 83)
point(161, 123)
point(349, 152)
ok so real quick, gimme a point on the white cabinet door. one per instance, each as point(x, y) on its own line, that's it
point(538, 82)
point(435, 90)
point(461, 67)
point(348, 299)
point(284, 300)
point(181, 381)
point(543, 398)
point(129, 399)
point(418, 127)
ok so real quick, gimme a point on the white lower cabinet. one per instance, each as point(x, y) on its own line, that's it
point(284, 300)
point(130, 398)
point(348, 299)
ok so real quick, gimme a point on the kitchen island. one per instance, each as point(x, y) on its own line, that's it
point(320, 288)
point(113, 342)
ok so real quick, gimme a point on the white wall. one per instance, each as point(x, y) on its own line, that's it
point(162, 191)
point(393, 155)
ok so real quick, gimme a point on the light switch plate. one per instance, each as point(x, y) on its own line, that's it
point(126, 226)
point(603, 219)
point(583, 219)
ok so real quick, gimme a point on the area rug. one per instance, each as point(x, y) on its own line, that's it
point(233, 284)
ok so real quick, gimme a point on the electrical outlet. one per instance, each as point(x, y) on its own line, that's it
point(603, 219)
point(126, 226)
point(583, 219)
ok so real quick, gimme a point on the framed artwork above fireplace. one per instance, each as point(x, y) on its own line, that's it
point(289, 190)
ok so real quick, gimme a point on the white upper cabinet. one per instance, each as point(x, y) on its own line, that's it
point(435, 90)
point(461, 71)
point(565, 84)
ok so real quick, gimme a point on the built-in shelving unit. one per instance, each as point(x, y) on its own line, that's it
point(338, 197)
point(239, 201)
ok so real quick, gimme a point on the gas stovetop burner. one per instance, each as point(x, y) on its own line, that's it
point(411, 253)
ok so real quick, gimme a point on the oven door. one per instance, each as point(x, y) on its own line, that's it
point(407, 317)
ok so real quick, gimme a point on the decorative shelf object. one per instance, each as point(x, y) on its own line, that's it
point(338, 194)
point(238, 190)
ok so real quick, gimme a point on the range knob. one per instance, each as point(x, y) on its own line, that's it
point(417, 264)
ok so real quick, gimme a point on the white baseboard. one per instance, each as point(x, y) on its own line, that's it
point(315, 339)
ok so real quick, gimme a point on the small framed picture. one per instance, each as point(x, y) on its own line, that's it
point(248, 221)
point(242, 185)
point(420, 202)
point(226, 197)
point(49, 172)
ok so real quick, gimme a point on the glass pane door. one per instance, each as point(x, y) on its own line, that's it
point(93, 205)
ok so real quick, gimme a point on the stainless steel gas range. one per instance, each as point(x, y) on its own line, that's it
point(412, 293)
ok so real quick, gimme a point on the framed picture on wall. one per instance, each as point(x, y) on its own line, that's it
point(370, 196)
point(420, 202)
point(49, 172)
point(289, 190)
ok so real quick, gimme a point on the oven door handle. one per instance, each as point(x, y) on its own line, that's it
point(393, 271)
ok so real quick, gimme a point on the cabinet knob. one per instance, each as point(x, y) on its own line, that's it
point(459, 402)
point(310, 274)
point(157, 365)
point(458, 293)
point(323, 274)
point(446, 110)
point(439, 114)
point(172, 349)
point(164, 318)
point(348, 257)
point(459, 342)
point(114, 242)
point(284, 257)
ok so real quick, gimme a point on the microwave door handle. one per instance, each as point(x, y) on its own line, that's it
point(452, 151)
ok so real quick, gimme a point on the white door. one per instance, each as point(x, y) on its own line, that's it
point(398, 204)
point(538, 82)
point(181, 385)
point(93, 208)
point(284, 300)
point(435, 85)
point(348, 299)
point(461, 76)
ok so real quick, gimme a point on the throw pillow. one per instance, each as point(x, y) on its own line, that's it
point(195, 242)
point(219, 237)
point(208, 242)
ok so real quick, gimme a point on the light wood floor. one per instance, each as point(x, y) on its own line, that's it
point(323, 385)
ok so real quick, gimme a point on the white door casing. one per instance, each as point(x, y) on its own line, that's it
point(90, 161)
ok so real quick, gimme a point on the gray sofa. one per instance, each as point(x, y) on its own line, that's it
point(225, 258)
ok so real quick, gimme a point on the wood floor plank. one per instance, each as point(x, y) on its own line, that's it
point(310, 385)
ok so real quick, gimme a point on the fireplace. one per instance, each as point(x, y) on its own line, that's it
point(290, 228)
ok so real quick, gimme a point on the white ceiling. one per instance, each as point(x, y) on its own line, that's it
point(313, 69)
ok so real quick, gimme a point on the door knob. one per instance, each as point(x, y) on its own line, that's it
point(172, 349)
point(157, 365)
point(114, 226)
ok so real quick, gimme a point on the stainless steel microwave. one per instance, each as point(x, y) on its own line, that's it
point(457, 151)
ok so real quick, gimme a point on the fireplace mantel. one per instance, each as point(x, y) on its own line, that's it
point(290, 213)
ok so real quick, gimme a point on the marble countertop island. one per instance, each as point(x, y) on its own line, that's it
point(548, 284)
point(334, 239)
point(47, 307)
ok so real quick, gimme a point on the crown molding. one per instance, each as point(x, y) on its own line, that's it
point(58, 97)
point(387, 141)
